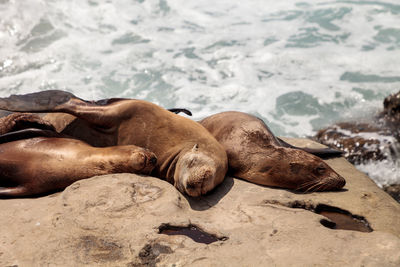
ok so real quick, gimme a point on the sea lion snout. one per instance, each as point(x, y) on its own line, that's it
point(329, 179)
point(195, 174)
point(341, 183)
point(334, 182)
point(199, 182)
point(144, 161)
point(153, 160)
point(150, 161)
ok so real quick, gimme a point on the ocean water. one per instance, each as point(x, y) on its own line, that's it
point(299, 65)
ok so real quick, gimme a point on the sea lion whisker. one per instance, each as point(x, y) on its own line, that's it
point(310, 189)
point(324, 186)
point(306, 184)
point(321, 187)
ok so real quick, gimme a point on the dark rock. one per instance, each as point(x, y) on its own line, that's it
point(393, 190)
point(373, 139)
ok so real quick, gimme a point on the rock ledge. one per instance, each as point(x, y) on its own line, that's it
point(115, 220)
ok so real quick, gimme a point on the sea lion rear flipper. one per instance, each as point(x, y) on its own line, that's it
point(323, 153)
point(28, 133)
point(179, 110)
point(45, 101)
point(58, 101)
point(19, 121)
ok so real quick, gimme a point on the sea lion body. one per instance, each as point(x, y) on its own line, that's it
point(187, 154)
point(41, 164)
point(256, 155)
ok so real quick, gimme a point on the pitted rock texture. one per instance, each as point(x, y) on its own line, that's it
point(114, 220)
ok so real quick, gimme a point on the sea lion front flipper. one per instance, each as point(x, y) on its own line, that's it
point(28, 133)
point(179, 110)
point(44, 101)
point(12, 191)
point(323, 153)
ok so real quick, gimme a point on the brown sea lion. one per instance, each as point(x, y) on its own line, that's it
point(256, 155)
point(188, 155)
point(41, 164)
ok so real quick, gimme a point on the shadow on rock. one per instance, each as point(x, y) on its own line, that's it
point(213, 197)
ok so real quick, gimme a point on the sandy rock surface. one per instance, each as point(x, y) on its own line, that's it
point(115, 220)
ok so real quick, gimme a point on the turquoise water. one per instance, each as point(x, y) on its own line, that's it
point(300, 65)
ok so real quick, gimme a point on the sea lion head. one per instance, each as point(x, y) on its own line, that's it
point(196, 173)
point(296, 169)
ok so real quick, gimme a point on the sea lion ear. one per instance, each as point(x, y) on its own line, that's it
point(195, 148)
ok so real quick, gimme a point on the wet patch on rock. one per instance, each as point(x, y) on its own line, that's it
point(337, 218)
point(342, 219)
point(95, 249)
point(192, 231)
point(149, 255)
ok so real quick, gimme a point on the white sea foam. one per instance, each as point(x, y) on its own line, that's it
point(298, 65)
point(382, 172)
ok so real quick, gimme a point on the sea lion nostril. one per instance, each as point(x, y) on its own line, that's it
point(342, 182)
point(192, 184)
point(153, 160)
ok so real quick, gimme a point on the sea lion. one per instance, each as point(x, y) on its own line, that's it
point(38, 165)
point(188, 155)
point(256, 155)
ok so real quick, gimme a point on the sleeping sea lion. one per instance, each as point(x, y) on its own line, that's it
point(188, 156)
point(256, 155)
point(38, 165)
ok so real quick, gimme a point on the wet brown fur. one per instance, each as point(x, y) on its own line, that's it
point(39, 165)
